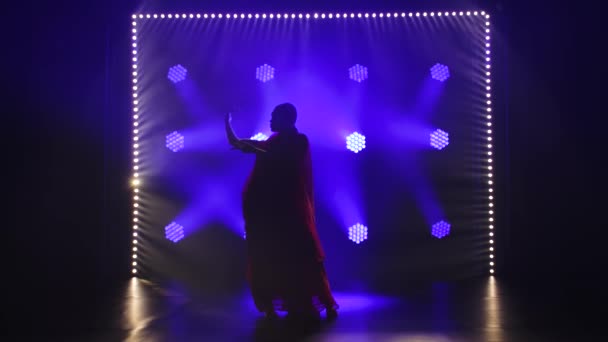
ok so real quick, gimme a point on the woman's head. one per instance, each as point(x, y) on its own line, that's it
point(283, 117)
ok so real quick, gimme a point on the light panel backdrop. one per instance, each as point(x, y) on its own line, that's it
point(397, 107)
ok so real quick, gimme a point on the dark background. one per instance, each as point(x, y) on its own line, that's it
point(66, 131)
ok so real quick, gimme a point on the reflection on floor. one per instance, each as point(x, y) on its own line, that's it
point(477, 310)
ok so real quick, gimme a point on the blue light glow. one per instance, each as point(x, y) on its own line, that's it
point(355, 142)
point(177, 73)
point(259, 137)
point(174, 141)
point(440, 72)
point(440, 139)
point(440, 229)
point(358, 73)
point(357, 233)
point(264, 73)
point(174, 232)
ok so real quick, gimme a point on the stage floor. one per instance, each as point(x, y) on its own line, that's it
point(474, 310)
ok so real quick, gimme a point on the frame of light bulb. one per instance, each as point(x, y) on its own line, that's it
point(136, 181)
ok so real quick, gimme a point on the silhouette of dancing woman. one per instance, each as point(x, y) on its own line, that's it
point(285, 259)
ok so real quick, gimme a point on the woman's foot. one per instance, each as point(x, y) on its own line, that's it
point(331, 313)
point(271, 314)
point(305, 315)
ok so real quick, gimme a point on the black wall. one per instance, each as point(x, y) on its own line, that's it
point(67, 112)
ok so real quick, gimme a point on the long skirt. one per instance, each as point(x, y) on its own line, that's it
point(285, 273)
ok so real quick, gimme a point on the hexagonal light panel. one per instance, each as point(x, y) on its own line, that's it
point(174, 141)
point(174, 232)
point(259, 137)
point(440, 72)
point(177, 73)
point(358, 73)
point(264, 73)
point(440, 229)
point(439, 139)
point(355, 142)
point(357, 233)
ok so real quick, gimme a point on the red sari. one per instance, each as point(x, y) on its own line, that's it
point(285, 258)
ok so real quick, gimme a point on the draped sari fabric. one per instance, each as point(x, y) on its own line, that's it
point(285, 257)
